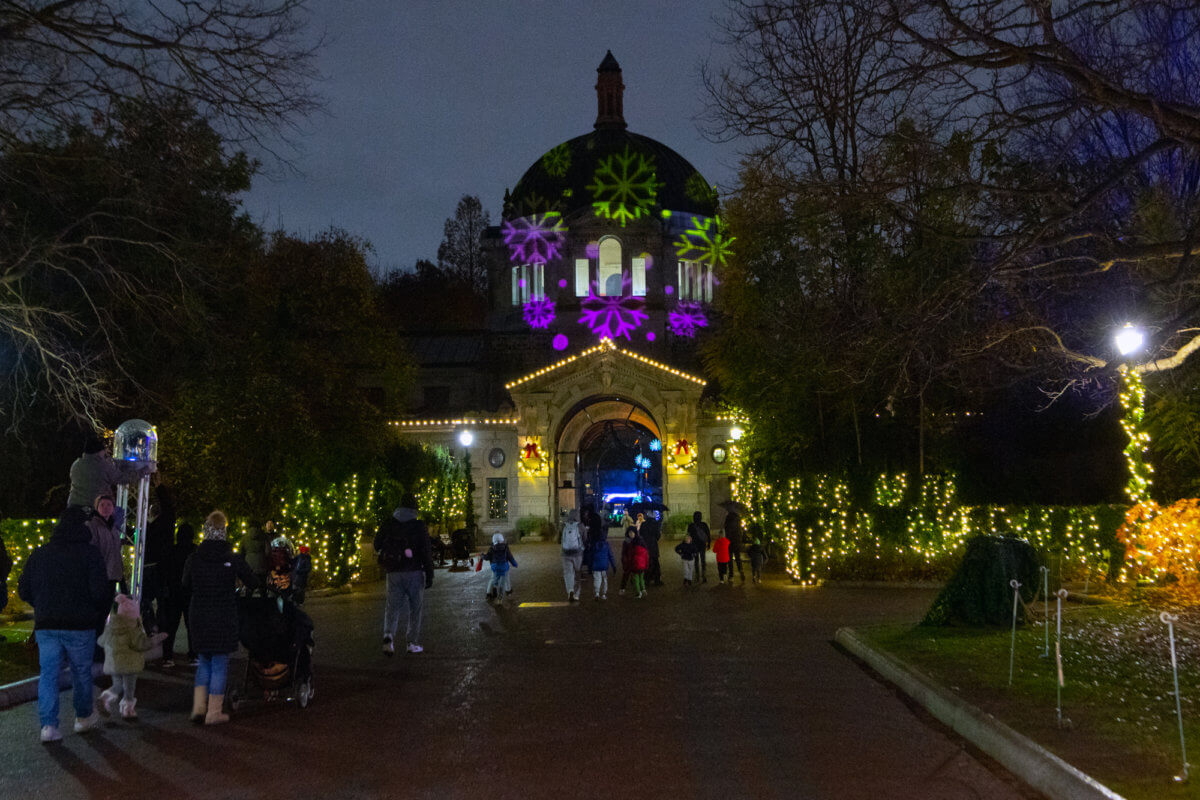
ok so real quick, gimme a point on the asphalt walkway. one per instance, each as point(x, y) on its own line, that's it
point(719, 691)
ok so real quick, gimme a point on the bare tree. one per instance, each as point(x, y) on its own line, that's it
point(68, 70)
point(1097, 101)
point(461, 252)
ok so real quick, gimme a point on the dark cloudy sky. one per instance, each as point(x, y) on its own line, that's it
point(427, 101)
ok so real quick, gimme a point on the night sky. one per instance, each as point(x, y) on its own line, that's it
point(428, 101)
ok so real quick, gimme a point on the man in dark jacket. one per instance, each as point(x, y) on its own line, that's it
point(178, 596)
point(701, 537)
point(403, 547)
point(651, 532)
point(66, 583)
point(733, 532)
point(160, 535)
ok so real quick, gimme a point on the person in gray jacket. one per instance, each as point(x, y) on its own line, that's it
point(96, 472)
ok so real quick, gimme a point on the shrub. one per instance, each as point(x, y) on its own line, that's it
point(1161, 544)
point(536, 526)
point(675, 525)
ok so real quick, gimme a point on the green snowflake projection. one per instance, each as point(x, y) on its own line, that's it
point(707, 241)
point(698, 189)
point(625, 186)
point(557, 161)
point(534, 203)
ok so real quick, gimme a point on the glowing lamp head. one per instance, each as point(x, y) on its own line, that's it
point(465, 438)
point(736, 433)
point(1129, 339)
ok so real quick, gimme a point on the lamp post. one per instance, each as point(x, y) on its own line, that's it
point(465, 438)
point(1129, 341)
point(136, 442)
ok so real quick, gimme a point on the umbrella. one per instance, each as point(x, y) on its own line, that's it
point(734, 506)
point(648, 505)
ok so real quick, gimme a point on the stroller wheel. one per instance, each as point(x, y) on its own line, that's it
point(304, 693)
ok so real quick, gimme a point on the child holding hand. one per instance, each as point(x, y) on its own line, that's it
point(125, 644)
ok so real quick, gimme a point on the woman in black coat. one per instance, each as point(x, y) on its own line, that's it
point(211, 573)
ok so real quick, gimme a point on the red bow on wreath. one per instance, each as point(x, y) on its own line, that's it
point(683, 448)
point(531, 451)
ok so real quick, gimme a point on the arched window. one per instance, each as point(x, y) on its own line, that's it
point(609, 273)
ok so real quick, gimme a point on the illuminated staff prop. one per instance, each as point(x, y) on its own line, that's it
point(1046, 605)
point(136, 442)
point(1170, 620)
point(1012, 648)
point(1058, 598)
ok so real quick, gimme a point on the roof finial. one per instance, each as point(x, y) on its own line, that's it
point(610, 93)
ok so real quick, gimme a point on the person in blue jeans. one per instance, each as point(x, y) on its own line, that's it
point(212, 573)
point(66, 583)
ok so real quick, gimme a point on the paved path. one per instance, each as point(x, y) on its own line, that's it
point(721, 691)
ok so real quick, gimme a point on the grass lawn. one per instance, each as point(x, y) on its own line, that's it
point(1118, 696)
point(15, 661)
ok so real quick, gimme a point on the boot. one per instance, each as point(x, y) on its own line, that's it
point(199, 703)
point(129, 709)
point(108, 698)
point(216, 713)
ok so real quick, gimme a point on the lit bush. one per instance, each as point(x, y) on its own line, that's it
point(1162, 544)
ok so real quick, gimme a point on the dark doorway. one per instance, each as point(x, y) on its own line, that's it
point(618, 462)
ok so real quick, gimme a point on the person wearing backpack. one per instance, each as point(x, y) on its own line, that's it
point(500, 556)
point(602, 563)
point(402, 545)
point(572, 555)
point(701, 537)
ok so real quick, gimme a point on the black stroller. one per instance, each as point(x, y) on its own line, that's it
point(277, 634)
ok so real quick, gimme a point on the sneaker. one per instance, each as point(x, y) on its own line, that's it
point(415, 648)
point(603, 597)
point(50, 734)
point(129, 709)
point(388, 647)
point(621, 592)
point(570, 597)
point(85, 724)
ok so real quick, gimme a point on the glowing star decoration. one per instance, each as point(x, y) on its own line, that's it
point(624, 187)
point(655, 445)
point(610, 316)
point(706, 241)
point(535, 239)
point(686, 319)
point(557, 161)
point(539, 312)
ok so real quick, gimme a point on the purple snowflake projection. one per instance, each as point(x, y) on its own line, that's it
point(539, 312)
point(610, 316)
point(686, 319)
point(560, 342)
point(535, 239)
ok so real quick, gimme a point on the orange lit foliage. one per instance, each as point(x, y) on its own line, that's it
point(1162, 543)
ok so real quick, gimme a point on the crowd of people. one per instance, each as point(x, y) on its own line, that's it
point(83, 612)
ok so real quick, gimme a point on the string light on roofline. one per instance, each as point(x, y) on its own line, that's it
point(605, 344)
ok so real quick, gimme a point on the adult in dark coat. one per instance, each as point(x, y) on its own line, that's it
point(178, 595)
point(651, 532)
point(733, 532)
point(212, 573)
point(701, 537)
point(404, 553)
point(65, 582)
point(160, 535)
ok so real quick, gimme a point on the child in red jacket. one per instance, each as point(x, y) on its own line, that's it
point(720, 547)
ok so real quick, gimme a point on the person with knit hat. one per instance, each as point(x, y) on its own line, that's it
point(125, 643)
point(96, 473)
point(212, 573)
point(402, 545)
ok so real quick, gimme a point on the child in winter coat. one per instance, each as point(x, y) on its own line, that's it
point(500, 556)
point(627, 557)
point(125, 644)
point(687, 551)
point(602, 563)
point(758, 556)
point(639, 562)
point(720, 548)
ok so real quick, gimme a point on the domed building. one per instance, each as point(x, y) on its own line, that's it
point(585, 390)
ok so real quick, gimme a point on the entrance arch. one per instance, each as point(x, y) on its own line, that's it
point(596, 442)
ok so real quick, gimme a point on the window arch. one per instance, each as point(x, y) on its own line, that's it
point(608, 275)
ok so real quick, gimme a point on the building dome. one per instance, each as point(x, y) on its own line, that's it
point(611, 172)
point(610, 165)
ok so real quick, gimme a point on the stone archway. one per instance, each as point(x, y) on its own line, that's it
point(572, 431)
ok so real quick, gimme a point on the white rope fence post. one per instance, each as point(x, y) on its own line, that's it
point(1012, 648)
point(1059, 596)
point(1046, 606)
point(1170, 620)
